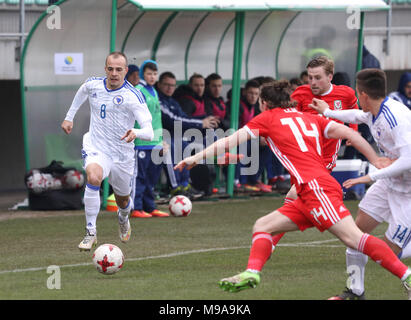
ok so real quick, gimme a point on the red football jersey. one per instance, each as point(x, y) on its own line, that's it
point(296, 138)
point(338, 98)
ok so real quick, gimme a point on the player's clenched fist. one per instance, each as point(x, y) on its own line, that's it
point(129, 136)
point(67, 126)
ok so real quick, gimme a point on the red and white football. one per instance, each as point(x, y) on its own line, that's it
point(180, 206)
point(108, 259)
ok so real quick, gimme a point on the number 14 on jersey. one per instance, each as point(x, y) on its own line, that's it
point(298, 134)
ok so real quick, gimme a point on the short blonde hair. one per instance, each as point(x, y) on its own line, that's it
point(322, 61)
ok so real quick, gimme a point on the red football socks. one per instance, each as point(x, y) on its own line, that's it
point(260, 252)
point(381, 253)
point(277, 238)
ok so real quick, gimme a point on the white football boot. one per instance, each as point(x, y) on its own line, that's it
point(407, 285)
point(89, 241)
point(124, 229)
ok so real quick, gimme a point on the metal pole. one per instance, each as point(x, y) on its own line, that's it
point(389, 22)
point(235, 97)
point(113, 25)
point(113, 34)
point(22, 16)
point(360, 43)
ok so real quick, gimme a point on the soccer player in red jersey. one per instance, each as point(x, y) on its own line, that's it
point(297, 138)
point(338, 97)
point(320, 72)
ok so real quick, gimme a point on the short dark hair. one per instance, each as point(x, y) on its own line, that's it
point(151, 66)
point(373, 82)
point(195, 76)
point(252, 84)
point(296, 81)
point(116, 54)
point(166, 74)
point(277, 94)
point(322, 61)
point(212, 77)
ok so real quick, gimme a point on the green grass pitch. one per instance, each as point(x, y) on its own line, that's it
point(178, 258)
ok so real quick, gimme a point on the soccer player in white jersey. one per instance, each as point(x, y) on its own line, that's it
point(107, 151)
point(389, 198)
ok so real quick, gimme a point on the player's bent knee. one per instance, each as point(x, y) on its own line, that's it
point(94, 180)
point(94, 174)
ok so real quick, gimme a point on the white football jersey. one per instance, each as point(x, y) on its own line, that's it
point(391, 130)
point(112, 113)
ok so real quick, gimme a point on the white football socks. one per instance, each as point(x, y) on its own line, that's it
point(92, 207)
point(123, 213)
point(356, 262)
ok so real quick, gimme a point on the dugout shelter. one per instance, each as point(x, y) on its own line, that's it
point(238, 39)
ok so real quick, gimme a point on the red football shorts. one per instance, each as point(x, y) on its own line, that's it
point(294, 181)
point(319, 204)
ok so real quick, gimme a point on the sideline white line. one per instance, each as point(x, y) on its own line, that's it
point(181, 253)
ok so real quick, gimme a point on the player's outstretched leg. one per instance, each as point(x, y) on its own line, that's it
point(355, 290)
point(89, 241)
point(260, 252)
point(348, 232)
point(241, 281)
point(92, 208)
point(347, 294)
point(124, 222)
point(124, 229)
point(407, 285)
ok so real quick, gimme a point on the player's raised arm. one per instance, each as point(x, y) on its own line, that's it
point(217, 148)
point(79, 99)
point(319, 105)
point(340, 131)
point(143, 117)
point(145, 132)
point(346, 116)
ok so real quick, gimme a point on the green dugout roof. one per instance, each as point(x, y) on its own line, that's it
point(241, 5)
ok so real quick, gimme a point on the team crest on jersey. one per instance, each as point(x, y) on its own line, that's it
point(117, 100)
point(141, 154)
point(337, 105)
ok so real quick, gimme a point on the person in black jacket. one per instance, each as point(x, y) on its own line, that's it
point(213, 88)
point(191, 97)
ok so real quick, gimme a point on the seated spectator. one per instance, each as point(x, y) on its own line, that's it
point(267, 160)
point(304, 77)
point(341, 78)
point(191, 97)
point(133, 75)
point(214, 86)
point(249, 105)
point(403, 93)
point(171, 113)
point(295, 83)
point(248, 108)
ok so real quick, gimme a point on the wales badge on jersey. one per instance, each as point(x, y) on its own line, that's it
point(337, 105)
point(117, 100)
